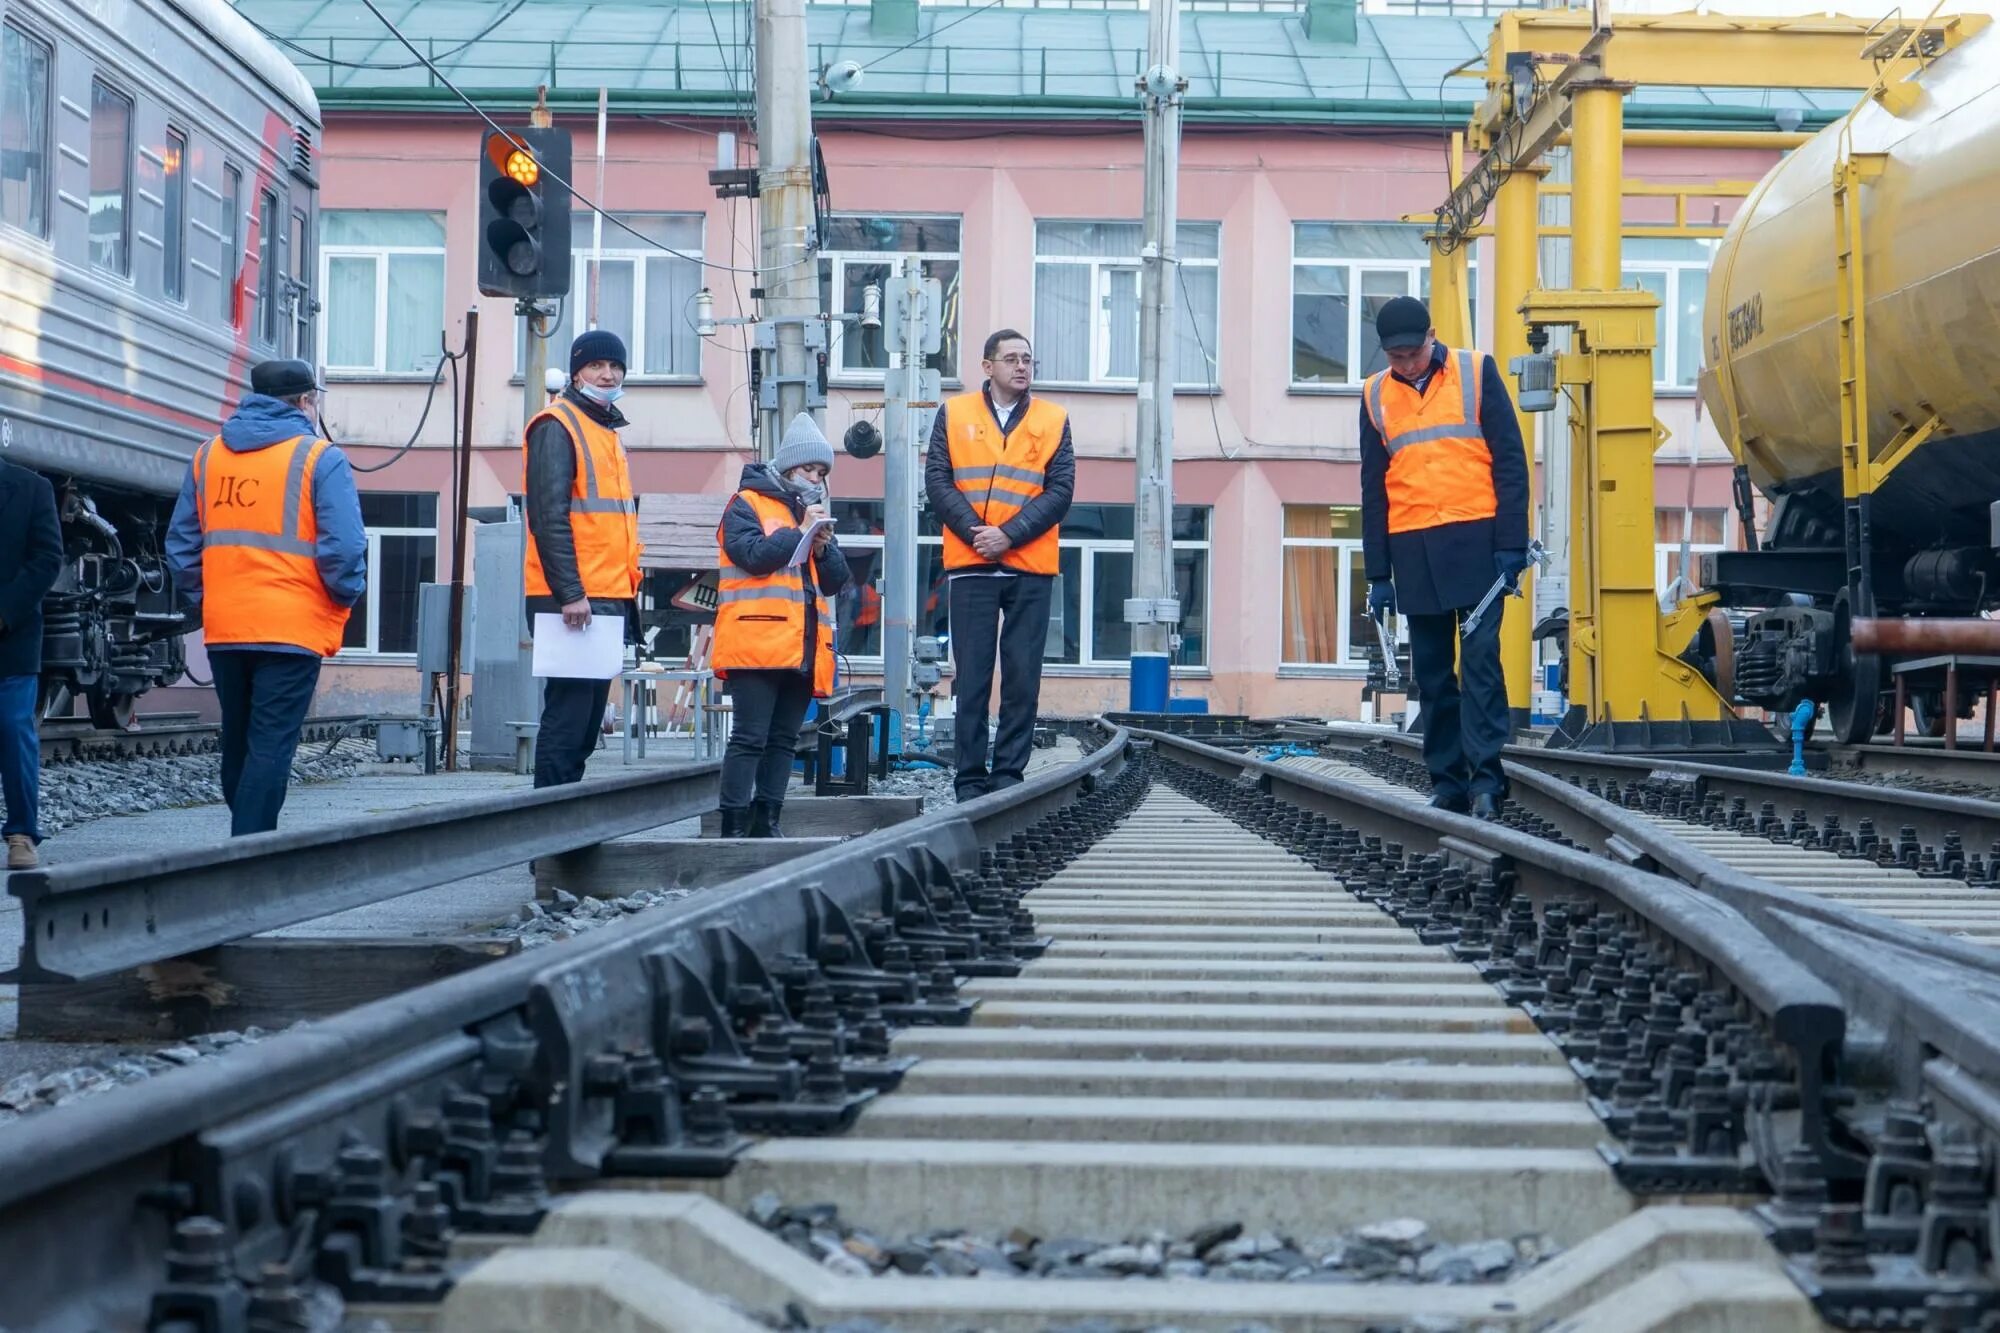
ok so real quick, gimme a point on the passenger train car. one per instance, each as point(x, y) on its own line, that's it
point(158, 206)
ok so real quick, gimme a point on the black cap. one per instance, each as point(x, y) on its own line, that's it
point(282, 379)
point(1404, 322)
point(596, 345)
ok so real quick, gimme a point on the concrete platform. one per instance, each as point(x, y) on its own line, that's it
point(648, 861)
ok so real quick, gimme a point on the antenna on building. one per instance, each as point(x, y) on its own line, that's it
point(539, 117)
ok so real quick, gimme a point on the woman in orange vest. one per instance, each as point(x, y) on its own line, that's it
point(774, 622)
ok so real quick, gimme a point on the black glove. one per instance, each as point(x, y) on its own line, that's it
point(1381, 597)
point(1508, 565)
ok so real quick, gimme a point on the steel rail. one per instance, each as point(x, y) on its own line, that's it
point(1920, 758)
point(1914, 992)
point(92, 918)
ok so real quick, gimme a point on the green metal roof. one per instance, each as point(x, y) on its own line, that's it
point(683, 55)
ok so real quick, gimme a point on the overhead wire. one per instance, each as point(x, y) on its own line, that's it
point(575, 193)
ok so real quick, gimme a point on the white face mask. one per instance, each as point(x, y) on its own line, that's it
point(602, 397)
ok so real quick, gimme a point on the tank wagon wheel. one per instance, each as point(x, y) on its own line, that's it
point(1927, 711)
point(1716, 643)
point(1856, 702)
point(113, 712)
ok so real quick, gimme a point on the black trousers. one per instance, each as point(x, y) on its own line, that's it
point(264, 697)
point(572, 720)
point(1007, 616)
point(767, 708)
point(1465, 713)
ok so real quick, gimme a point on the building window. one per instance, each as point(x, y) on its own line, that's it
point(402, 557)
point(267, 268)
point(1674, 269)
point(644, 294)
point(110, 179)
point(232, 247)
point(861, 252)
point(24, 131)
point(1324, 617)
point(299, 288)
point(1087, 303)
point(173, 230)
point(1705, 531)
point(383, 276)
point(1095, 564)
point(1343, 273)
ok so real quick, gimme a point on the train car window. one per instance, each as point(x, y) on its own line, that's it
point(24, 131)
point(173, 238)
point(110, 179)
point(267, 268)
point(232, 247)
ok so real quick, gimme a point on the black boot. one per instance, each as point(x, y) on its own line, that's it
point(764, 819)
point(734, 822)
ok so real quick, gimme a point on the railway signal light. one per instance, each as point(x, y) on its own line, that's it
point(524, 213)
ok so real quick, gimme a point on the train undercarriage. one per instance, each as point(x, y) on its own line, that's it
point(112, 626)
point(1782, 632)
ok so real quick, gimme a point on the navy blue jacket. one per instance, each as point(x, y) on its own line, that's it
point(341, 552)
point(1448, 567)
point(31, 556)
point(750, 550)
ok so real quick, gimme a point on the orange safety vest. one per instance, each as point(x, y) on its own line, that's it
point(1440, 470)
point(260, 581)
point(760, 620)
point(603, 513)
point(999, 474)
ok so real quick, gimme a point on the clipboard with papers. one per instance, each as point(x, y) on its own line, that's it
point(595, 652)
point(805, 546)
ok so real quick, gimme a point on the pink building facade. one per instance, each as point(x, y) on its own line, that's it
point(1288, 233)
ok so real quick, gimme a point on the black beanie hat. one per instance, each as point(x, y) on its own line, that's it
point(596, 345)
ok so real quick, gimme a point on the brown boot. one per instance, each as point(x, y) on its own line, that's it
point(21, 853)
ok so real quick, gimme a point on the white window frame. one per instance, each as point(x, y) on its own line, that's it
point(49, 153)
point(371, 607)
point(1102, 267)
point(1667, 356)
point(380, 254)
point(576, 311)
point(837, 373)
point(1352, 657)
point(1663, 551)
point(1419, 274)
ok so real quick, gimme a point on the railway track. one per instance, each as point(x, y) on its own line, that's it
point(158, 735)
point(1329, 1058)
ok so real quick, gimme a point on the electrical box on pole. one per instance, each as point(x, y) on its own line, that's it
point(524, 208)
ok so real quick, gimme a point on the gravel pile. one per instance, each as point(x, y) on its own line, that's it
point(30, 1093)
point(73, 794)
point(565, 915)
point(933, 784)
point(1398, 1250)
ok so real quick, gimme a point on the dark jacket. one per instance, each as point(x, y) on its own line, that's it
point(1448, 567)
point(749, 549)
point(550, 481)
point(1037, 516)
point(340, 553)
point(31, 556)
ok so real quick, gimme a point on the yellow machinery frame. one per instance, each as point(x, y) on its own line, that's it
point(1624, 652)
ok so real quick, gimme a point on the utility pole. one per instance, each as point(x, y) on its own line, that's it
point(1153, 610)
point(791, 333)
point(911, 330)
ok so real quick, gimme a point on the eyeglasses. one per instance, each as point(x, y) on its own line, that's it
point(1015, 360)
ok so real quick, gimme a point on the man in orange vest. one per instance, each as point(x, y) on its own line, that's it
point(582, 557)
point(267, 539)
point(774, 622)
point(1444, 511)
point(999, 474)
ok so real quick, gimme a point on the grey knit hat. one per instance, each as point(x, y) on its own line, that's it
point(803, 443)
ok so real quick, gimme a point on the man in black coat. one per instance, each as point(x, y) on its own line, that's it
point(31, 553)
point(1444, 511)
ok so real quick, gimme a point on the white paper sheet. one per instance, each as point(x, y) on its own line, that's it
point(804, 548)
point(596, 652)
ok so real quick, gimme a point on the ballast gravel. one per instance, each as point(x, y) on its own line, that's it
point(566, 916)
point(30, 1093)
point(1396, 1250)
point(75, 793)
